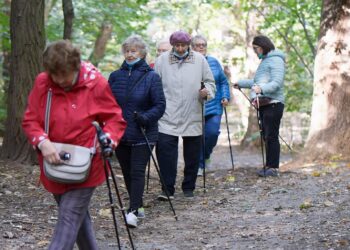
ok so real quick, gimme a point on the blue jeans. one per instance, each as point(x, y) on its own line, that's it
point(167, 154)
point(212, 132)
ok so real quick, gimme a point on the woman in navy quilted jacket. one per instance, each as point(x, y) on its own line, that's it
point(139, 92)
point(214, 107)
point(267, 87)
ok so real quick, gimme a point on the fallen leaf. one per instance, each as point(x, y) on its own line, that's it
point(105, 212)
point(306, 205)
point(230, 178)
point(316, 174)
point(328, 203)
point(43, 243)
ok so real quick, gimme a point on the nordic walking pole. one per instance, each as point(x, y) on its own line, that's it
point(288, 146)
point(261, 133)
point(148, 170)
point(157, 168)
point(229, 139)
point(203, 136)
point(107, 152)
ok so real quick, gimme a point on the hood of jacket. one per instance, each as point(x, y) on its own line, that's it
point(277, 53)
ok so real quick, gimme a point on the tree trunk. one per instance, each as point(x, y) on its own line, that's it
point(250, 139)
point(28, 41)
point(68, 12)
point(101, 43)
point(329, 132)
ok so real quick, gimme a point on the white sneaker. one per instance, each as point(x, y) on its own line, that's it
point(200, 172)
point(131, 220)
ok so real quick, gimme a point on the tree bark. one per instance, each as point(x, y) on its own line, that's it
point(329, 132)
point(68, 12)
point(249, 140)
point(28, 41)
point(101, 43)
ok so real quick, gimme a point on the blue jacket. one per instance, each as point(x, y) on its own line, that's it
point(146, 98)
point(214, 107)
point(269, 76)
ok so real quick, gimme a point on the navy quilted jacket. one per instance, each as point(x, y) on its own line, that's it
point(146, 98)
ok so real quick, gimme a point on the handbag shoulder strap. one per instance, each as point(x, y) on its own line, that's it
point(47, 120)
point(47, 111)
point(133, 86)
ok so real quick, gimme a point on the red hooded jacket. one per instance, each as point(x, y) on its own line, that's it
point(71, 115)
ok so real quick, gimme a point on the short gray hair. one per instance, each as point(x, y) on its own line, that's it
point(136, 41)
point(198, 37)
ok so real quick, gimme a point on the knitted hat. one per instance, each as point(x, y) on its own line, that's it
point(180, 37)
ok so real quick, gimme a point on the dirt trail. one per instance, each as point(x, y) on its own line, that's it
point(307, 207)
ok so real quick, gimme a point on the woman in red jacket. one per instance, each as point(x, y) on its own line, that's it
point(80, 95)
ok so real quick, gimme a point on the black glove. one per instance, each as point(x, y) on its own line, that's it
point(140, 119)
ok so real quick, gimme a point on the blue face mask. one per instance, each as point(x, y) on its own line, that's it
point(260, 56)
point(132, 63)
point(182, 56)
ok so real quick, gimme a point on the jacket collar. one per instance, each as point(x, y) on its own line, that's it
point(174, 59)
point(140, 66)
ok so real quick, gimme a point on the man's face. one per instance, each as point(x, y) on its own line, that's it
point(181, 48)
point(163, 47)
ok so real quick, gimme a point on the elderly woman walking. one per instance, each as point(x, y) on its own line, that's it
point(214, 107)
point(267, 94)
point(79, 96)
point(138, 90)
point(182, 70)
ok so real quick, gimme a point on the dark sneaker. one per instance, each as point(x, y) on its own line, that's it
point(188, 193)
point(163, 197)
point(141, 213)
point(268, 172)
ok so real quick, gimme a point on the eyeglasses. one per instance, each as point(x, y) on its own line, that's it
point(255, 48)
point(204, 45)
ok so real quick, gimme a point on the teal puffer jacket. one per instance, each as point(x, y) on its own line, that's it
point(269, 76)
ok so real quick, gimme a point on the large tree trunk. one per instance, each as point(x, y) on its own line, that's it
point(329, 132)
point(68, 12)
point(101, 43)
point(249, 139)
point(28, 41)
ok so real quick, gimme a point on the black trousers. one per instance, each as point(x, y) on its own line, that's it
point(271, 116)
point(133, 160)
point(167, 155)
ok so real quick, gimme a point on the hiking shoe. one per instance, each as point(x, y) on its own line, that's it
point(208, 166)
point(141, 213)
point(268, 172)
point(131, 220)
point(163, 197)
point(188, 193)
point(200, 172)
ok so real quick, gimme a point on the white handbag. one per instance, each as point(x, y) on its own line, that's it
point(74, 169)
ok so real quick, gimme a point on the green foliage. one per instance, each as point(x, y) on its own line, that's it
point(126, 16)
